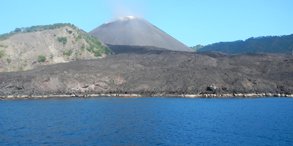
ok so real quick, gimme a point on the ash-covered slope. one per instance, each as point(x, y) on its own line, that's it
point(132, 31)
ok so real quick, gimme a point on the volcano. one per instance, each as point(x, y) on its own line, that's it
point(136, 33)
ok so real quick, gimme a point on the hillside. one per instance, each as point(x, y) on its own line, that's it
point(269, 44)
point(27, 48)
point(163, 73)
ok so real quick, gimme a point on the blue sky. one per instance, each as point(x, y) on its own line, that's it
point(190, 21)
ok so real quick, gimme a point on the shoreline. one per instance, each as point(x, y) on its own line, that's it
point(228, 95)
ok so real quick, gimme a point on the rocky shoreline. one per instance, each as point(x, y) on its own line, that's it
point(62, 96)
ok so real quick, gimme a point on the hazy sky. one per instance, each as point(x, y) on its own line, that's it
point(190, 21)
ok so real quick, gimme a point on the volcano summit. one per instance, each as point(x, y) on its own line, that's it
point(132, 31)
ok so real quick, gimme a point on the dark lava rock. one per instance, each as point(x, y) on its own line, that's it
point(161, 72)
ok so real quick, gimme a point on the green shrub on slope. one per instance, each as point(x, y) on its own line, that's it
point(2, 53)
point(41, 58)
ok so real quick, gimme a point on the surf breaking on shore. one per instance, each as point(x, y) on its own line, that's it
point(238, 95)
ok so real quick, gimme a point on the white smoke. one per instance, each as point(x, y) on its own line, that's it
point(122, 8)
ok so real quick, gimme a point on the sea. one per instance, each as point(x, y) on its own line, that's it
point(110, 121)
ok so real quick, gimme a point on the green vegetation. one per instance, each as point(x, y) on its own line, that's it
point(4, 36)
point(269, 44)
point(3, 46)
point(95, 46)
point(20, 68)
point(69, 31)
point(67, 53)
point(62, 40)
point(92, 45)
point(97, 49)
point(2, 53)
point(78, 38)
point(82, 48)
point(76, 54)
point(8, 60)
point(17, 30)
point(36, 28)
point(41, 58)
point(42, 27)
point(197, 47)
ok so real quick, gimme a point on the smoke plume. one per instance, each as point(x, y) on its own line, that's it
point(121, 8)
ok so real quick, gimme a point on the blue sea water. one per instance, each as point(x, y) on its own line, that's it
point(147, 121)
